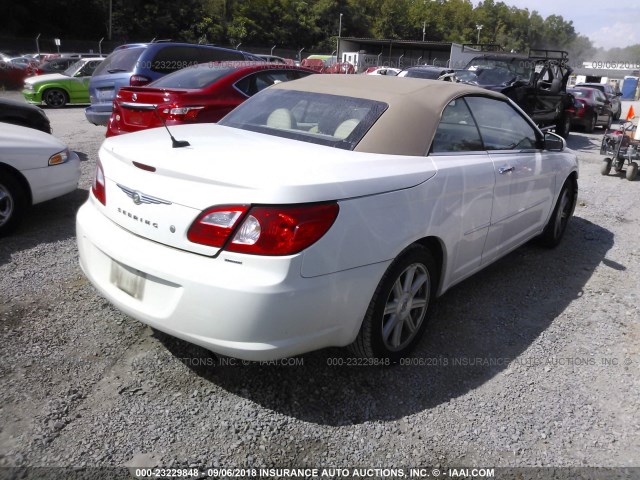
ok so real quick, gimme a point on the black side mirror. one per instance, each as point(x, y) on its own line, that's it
point(553, 142)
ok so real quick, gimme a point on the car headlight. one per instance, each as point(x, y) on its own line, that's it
point(28, 86)
point(59, 157)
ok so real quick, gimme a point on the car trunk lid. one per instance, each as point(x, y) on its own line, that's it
point(157, 191)
point(140, 107)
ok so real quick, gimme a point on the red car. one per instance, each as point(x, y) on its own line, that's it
point(200, 94)
point(11, 75)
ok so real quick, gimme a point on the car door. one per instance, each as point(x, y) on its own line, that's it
point(524, 182)
point(80, 81)
point(466, 173)
point(547, 93)
point(603, 107)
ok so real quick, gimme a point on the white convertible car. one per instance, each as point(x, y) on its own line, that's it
point(328, 211)
point(34, 167)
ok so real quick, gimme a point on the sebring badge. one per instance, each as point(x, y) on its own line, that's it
point(139, 197)
point(134, 97)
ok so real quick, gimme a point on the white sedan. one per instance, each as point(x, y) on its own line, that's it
point(34, 167)
point(328, 211)
point(388, 71)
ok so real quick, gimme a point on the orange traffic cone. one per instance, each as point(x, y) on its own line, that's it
point(631, 113)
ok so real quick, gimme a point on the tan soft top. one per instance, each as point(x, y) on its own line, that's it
point(415, 106)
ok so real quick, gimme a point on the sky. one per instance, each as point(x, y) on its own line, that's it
point(607, 23)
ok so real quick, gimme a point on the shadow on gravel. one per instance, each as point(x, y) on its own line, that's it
point(45, 223)
point(476, 330)
point(584, 141)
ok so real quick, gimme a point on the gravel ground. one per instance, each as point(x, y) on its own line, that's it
point(532, 362)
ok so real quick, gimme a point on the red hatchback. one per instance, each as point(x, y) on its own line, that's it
point(200, 94)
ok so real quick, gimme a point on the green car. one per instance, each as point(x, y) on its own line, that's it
point(58, 89)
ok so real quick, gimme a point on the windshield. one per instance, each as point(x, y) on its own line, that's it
point(490, 71)
point(324, 119)
point(421, 73)
point(197, 76)
point(69, 72)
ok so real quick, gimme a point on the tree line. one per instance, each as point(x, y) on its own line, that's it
point(294, 24)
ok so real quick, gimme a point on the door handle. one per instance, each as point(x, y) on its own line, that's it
point(503, 170)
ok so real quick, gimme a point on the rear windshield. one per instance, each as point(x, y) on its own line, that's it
point(423, 73)
point(581, 92)
point(198, 76)
point(120, 61)
point(599, 87)
point(324, 119)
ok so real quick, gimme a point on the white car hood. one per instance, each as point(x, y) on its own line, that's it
point(253, 167)
point(228, 166)
point(26, 148)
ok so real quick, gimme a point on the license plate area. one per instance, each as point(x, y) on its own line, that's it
point(127, 279)
point(134, 118)
point(105, 94)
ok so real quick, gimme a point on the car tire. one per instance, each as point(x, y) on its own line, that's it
point(618, 113)
point(632, 171)
point(13, 202)
point(55, 98)
point(563, 127)
point(554, 230)
point(609, 122)
point(605, 169)
point(395, 303)
point(591, 124)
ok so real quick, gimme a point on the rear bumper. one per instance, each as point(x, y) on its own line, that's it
point(98, 114)
point(248, 307)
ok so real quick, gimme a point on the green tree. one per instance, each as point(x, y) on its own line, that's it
point(138, 20)
point(393, 20)
point(557, 33)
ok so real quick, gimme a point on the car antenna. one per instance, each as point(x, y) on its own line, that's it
point(174, 143)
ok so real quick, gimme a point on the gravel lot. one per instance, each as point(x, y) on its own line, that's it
point(532, 362)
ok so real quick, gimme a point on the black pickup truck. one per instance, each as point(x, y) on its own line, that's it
point(537, 82)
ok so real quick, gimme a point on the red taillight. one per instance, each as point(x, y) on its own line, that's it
point(138, 80)
point(113, 126)
point(214, 225)
point(98, 187)
point(281, 230)
point(181, 114)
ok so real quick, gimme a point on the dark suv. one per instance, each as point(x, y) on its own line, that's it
point(537, 83)
point(610, 93)
point(141, 63)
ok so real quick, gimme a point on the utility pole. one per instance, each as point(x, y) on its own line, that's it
point(338, 42)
